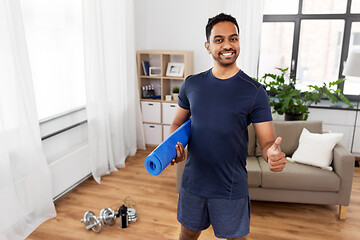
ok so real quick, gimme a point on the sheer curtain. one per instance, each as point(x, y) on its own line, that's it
point(25, 182)
point(249, 15)
point(113, 109)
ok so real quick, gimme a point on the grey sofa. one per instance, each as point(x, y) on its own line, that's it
point(297, 183)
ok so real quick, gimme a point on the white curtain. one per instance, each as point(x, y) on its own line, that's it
point(113, 109)
point(25, 182)
point(249, 15)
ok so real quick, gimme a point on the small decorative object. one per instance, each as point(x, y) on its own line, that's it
point(285, 98)
point(175, 94)
point(168, 98)
point(155, 71)
point(175, 70)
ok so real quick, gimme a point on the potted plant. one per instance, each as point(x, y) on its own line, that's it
point(175, 93)
point(286, 99)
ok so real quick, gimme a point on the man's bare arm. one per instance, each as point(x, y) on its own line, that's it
point(270, 146)
point(181, 116)
point(266, 135)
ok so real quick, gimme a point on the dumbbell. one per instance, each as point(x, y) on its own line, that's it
point(107, 216)
point(91, 221)
point(132, 215)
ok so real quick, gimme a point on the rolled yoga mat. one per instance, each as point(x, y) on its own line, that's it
point(161, 157)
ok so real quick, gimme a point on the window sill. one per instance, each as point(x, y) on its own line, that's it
point(60, 123)
point(326, 104)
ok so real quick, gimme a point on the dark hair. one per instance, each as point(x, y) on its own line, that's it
point(222, 17)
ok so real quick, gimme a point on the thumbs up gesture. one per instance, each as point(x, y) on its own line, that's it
point(276, 158)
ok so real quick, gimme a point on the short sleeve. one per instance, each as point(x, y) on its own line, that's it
point(183, 99)
point(261, 111)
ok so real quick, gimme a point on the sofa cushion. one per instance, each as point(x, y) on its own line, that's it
point(254, 172)
point(251, 144)
point(290, 132)
point(296, 176)
point(316, 149)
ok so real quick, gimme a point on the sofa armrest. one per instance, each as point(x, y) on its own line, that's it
point(344, 167)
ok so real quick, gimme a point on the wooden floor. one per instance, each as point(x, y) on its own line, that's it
point(156, 203)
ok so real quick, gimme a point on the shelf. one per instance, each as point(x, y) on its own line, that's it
point(163, 77)
point(160, 124)
point(153, 123)
point(157, 100)
point(163, 86)
point(168, 85)
point(174, 78)
point(150, 100)
point(151, 77)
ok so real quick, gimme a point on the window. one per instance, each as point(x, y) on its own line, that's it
point(319, 52)
point(355, 8)
point(276, 49)
point(324, 6)
point(54, 36)
point(314, 41)
point(281, 6)
point(352, 84)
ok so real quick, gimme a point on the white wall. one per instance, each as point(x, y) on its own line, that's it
point(339, 121)
point(175, 25)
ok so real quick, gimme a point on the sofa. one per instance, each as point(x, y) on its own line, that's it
point(297, 183)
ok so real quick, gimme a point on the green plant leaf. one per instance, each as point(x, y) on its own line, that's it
point(288, 99)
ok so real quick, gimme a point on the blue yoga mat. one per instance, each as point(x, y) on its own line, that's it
point(161, 157)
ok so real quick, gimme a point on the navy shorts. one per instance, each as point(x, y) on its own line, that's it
point(229, 218)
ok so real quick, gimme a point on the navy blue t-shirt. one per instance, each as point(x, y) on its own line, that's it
point(221, 110)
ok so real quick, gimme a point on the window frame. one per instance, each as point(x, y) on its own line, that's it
point(348, 18)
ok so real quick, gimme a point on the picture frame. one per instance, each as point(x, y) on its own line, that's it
point(175, 69)
point(155, 71)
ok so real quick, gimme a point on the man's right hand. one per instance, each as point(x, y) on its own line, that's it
point(180, 153)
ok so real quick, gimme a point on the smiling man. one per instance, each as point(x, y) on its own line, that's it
point(222, 102)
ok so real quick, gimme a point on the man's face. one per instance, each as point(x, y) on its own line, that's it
point(224, 45)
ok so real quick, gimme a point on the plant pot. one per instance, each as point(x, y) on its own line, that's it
point(175, 96)
point(293, 117)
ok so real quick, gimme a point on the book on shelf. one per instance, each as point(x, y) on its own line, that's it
point(146, 67)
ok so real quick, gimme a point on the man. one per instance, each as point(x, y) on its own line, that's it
point(222, 102)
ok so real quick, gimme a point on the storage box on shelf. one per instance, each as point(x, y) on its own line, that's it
point(155, 85)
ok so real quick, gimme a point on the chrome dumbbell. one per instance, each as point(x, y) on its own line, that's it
point(132, 215)
point(107, 216)
point(91, 222)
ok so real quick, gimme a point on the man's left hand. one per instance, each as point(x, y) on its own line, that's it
point(276, 158)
